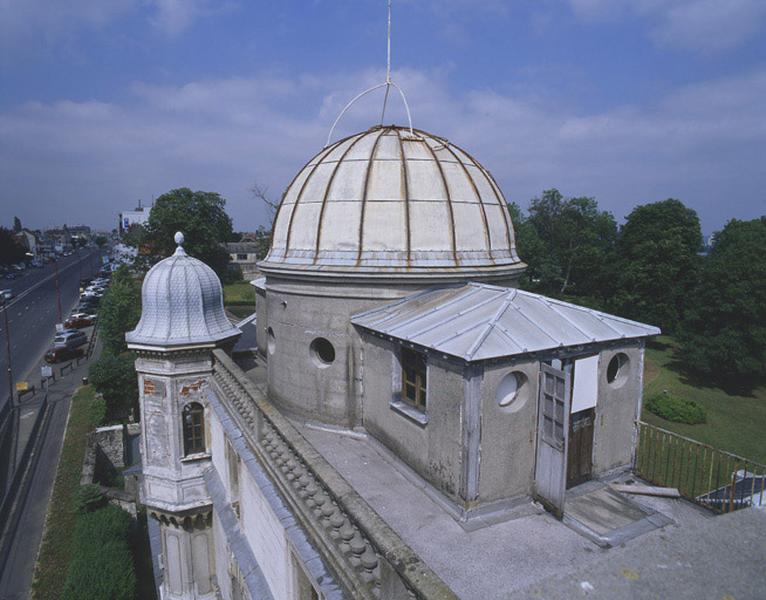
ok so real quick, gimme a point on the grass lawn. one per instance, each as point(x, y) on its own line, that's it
point(56, 547)
point(736, 421)
point(239, 293)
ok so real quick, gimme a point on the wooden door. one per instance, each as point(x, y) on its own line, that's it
point(580, 447)
point(552, 435)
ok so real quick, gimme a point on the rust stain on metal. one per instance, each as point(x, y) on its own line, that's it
point(500, 200)
point(326, 152)
point(364, 194)
point(406, 190)
point(478, 195)
point(446, 191)
point(327, 194)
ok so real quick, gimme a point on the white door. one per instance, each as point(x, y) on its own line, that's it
point(552, 433)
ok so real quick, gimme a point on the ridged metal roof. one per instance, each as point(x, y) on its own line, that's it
point(182, 304)
point(480, 322)
point(386, 200)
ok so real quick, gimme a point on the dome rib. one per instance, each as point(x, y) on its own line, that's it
point(326, 152)
point(370, 164)
point(468, 175)
point(405, 180)
point(327, 194)
point(445, 183)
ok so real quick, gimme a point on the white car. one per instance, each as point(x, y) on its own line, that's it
point(6, 294)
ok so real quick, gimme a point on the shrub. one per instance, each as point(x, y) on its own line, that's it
point(102, 564)
point(87, 499)
point(114, 376)
point(97, 411)
point(673, 408)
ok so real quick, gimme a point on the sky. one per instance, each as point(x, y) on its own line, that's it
point(107, 102)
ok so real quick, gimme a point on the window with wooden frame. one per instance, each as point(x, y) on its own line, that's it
point(194, 428)
point(414, 388)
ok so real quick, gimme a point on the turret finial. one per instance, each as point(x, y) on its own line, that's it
point(179, 239)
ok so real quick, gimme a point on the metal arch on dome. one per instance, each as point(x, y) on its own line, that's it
point(388, 83)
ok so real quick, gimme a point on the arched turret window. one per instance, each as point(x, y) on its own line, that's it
point(194, 428)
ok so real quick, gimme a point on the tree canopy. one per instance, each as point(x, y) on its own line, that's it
point(202, 219)
point(567, 244)
point(724, 331)
point(658, 262)
point(120, 310)
point(10, 249)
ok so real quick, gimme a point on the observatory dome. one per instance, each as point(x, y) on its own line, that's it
point(391, 200)
point(182, 304)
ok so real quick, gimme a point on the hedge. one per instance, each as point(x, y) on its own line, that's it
point(673, 408)
point(102, 564)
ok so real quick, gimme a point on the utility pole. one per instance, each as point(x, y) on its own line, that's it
point(58, 290)
point(8, 351)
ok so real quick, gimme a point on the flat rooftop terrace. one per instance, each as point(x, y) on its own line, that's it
point(528, 553)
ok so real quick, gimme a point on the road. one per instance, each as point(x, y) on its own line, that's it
point(33, 313)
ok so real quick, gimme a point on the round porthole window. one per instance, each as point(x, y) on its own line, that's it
point(617, 369)
point(322, 351)
point(511, 393)
point(272, 341)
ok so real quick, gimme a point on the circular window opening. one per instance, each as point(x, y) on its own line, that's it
point(323, 351)
point(617, 370)
point(272, 342)
point(511, 393)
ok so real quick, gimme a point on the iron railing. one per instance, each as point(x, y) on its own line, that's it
point(718, 480)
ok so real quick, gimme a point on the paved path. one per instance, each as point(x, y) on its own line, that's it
point(16, 576)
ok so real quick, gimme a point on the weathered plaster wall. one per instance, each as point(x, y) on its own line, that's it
point(616, 411)
point(508, 434)
point(432, 450)
point(266, 536)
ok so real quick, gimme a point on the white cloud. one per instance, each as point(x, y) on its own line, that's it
point(79, 161)
point(698, 25)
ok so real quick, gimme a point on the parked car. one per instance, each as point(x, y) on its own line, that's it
point(6, 294)
point(56, 355)
point(70, 338)
point(79, 320)
point(11, 275)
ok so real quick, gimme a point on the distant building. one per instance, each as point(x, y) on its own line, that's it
point(29, 239)
point(139, 216)
point(244, 256)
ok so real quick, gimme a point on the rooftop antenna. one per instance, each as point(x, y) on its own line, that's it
point(388, 83)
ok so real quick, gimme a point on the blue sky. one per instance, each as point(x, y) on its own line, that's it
point(103, 102)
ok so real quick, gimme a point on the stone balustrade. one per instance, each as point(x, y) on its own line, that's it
point(369, 558)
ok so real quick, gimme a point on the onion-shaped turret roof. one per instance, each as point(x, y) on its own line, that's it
point(182, 304)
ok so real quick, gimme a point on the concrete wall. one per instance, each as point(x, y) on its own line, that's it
point(616, 411)
point(508, 434)
point(432, 450)
point(261, 321)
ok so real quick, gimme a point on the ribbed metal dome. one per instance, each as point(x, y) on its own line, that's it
point(182, 304)
point(390, 201)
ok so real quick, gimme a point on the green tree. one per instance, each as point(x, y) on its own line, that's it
point(658, 263)
point(10, 249)
point(569, 242)
point(114, 376)
point(120, 310)
point(202, 219)
point(101, 240)
point(135, 235)
point(16, 225)
point(724, 330)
